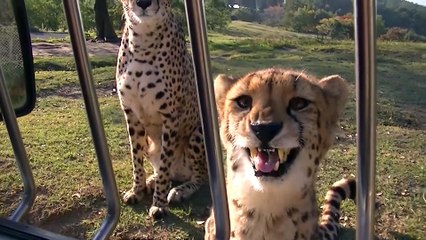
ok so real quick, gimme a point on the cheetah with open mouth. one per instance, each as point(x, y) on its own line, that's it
point(276, 126)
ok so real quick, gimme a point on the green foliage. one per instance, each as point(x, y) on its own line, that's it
point(395, 34)
point(402, 34)
point(218, 15)
point(412, 36)
point(178, 9)
point(380, 25)
point(59, 143)
point(245, 14)
point(404, 15)
point(7, 16)
point(303, 20)
point(273, 16)
point(46, 14)
point(115, 11)
point(339, 27)
point(338, 7)
point(49, 14)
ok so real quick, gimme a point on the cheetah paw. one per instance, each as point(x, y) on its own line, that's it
point(132, 197)
point(157, 212)
point(175, 195)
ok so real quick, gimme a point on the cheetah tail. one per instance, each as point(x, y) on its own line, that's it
point(341, 190)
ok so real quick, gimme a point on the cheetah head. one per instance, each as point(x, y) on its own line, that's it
point(143, 11)
point(277, 124)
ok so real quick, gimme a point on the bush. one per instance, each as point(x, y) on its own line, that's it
point(414, 37)
point(115, 11)
point(218, 16)
point(402, 34)
point(245, 14)
point(46, 14)
point(395, 34)
point(380, 25)
point(178, 9)
point(339, 27)
point(305, 19)
point(49, 14)
point(272, 16)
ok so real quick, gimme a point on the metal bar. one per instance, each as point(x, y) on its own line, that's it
point(365, 38)
point(22, 161)
point(197, 31)
point(72, 12)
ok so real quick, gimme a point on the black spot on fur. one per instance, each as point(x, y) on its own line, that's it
point(131, 131)
point(304, 217)
point(339, 191)
point(159, 95)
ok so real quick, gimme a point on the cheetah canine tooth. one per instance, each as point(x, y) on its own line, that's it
point(281, 155)
point(277, 165)
point(253, 152)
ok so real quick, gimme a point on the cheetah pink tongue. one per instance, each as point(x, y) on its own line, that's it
point(265, 162)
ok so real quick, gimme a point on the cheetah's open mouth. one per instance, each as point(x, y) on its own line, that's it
point(271, 162)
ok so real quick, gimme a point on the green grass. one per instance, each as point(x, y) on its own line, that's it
point(70, 198)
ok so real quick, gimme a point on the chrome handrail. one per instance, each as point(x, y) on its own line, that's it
point(72, 13)
point(365, 73)
point(22, 161)
point(198, 34)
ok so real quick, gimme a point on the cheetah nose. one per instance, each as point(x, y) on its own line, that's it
point(144, 4)
point(266, 132)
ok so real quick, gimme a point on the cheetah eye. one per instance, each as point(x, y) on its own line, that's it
point(298, 103)
point(244, 102)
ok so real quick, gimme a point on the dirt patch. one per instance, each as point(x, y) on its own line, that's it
point(46, 49)
point(74, 91)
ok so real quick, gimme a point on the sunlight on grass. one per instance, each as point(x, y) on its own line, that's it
point(70, 198)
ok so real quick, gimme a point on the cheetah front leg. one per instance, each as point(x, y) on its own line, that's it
point(138, 143)
point(162, 174)
point(210, 228)
point(196, 159)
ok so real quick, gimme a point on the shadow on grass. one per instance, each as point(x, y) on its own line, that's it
point(400, 236)
point(186, 218)
point(349, 234)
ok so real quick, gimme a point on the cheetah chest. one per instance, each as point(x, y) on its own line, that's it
point(143, 90)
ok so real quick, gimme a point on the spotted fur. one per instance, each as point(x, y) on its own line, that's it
point(276, 126)
point(156, 88)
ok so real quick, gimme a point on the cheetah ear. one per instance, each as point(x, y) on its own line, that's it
point(222, 84)
point(336, 92)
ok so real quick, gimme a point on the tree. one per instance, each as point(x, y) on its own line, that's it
point(104, 29)
point(304, 20)
point(272, 16)
point(290, 7)
point(218, 15)
point(380, 26)
point(46, 14)
point(339, 27)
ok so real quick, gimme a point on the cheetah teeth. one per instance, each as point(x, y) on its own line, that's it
point(277, 165)
point(253, 152)
point(281, 154)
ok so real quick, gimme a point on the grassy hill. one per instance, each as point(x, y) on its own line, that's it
point(59, 145)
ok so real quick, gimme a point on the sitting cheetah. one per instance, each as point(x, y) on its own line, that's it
point(156, 87)
point(276, 126)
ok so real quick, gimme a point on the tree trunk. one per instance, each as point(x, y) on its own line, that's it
point(104, 29)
